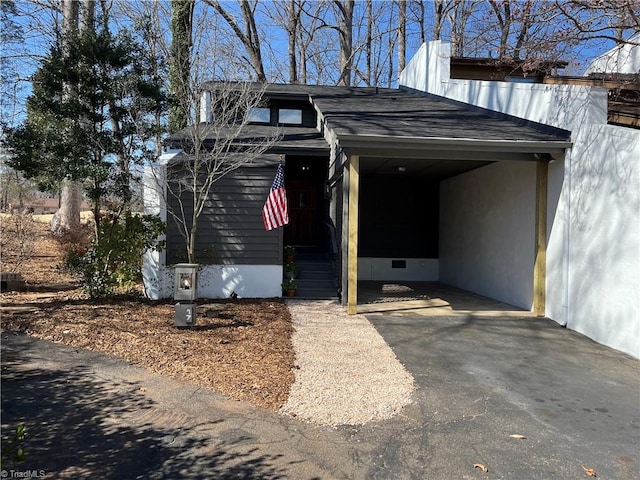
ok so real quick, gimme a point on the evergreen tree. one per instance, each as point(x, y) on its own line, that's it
point(103, 131)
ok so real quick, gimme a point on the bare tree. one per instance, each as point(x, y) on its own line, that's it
point(249, 37)
point(418, 15)
point(217, 139)
point(459, 16)
point(287, 14)
point(372, 59)
point(345, 34)
point(211, 151)
point(294, 11)
point(602, 19)
point(449, 20)
point(317, 57)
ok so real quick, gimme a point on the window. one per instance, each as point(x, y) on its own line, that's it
point(290, 116)
point(259, 115)
point(532, 79)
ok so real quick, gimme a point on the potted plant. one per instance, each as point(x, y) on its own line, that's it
point(289, 287)
point(291, 270)
point(289, 254)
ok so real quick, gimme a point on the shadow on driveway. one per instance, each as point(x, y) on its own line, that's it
point(79, 426)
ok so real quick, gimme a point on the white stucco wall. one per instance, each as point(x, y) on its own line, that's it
point(593, 218)
point(220, 281)
point(417, 269)
point(153, 275)
point(602, 281)
point(487, 231)
point(624, 58)
point(561, 106)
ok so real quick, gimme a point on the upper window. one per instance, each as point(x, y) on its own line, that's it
point(260, 115)
point(290, 116)
point(532, 79)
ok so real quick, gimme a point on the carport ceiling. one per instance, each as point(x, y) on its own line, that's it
point(434, 169)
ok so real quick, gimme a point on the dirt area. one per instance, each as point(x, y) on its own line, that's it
point(242, 349)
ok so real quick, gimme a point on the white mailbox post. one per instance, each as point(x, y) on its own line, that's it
point(185, 292)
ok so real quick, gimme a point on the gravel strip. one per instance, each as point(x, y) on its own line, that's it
point(346, 373)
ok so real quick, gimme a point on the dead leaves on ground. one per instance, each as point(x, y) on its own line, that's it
point(590, 472)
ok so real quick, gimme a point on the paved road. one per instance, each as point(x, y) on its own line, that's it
point(478, 381)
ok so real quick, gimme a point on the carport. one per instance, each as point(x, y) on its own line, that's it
point(384, 140)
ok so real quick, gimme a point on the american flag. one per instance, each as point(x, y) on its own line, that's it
point(274, 212)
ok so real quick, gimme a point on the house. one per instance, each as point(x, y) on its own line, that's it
point(438, 180)
point(363, 169)
point(592, 280)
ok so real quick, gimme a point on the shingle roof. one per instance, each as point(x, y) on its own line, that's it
point(389, 112)
point(305, 138)
point(396, 113)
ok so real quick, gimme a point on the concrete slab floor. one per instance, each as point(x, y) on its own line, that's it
point(405, 298)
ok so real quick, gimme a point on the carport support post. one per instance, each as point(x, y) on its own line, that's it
point(540, 265)
point(352, 255)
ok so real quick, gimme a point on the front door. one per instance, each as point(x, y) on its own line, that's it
point(303, 221)
point(308, 210)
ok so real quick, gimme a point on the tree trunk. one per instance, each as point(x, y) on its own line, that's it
point(459, 14)
point(346, 40)
point(87, 18)
point(369, 42)
point(439, 19)
point(292, 31)
point(303, 59)
point(252, 42)
point(67, 218)
point(249, 38)
point(502, 11)
point(402, 35)
point(180, 63)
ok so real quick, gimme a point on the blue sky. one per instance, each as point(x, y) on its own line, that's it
point(38, 28)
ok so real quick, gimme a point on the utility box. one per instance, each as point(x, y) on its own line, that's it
point(185, 315)
point(186, 282)
point(185, 291)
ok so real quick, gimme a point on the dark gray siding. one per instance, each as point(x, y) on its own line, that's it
point(230, 229)
point(399, 217)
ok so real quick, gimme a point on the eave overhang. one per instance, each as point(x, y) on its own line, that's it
point(449, 148)
point(376, 142)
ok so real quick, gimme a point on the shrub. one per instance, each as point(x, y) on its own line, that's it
point(12, 450)
point(114, 256)
point(17, 241)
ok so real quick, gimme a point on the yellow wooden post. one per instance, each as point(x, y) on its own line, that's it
point(352, 251)
point(540, 265)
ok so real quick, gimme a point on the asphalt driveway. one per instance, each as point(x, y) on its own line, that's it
point(479, 381)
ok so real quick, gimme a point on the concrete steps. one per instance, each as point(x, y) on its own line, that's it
point(316, 278)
